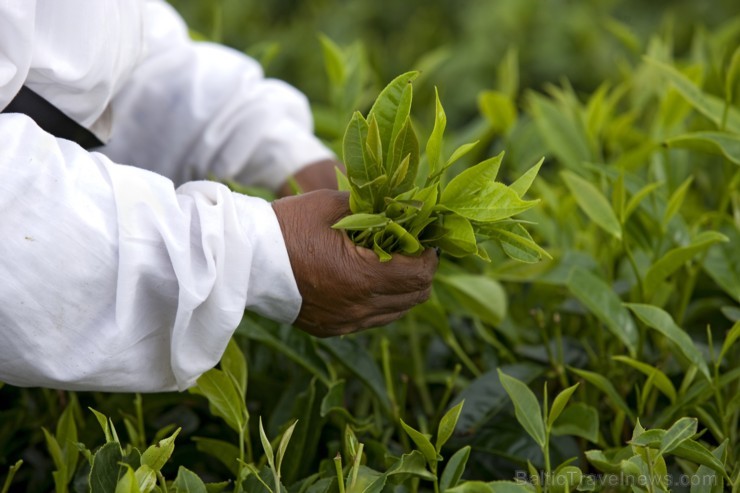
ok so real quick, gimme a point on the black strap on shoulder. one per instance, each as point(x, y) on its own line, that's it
point(51, 119)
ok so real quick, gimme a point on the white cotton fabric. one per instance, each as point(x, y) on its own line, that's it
point(121, 269)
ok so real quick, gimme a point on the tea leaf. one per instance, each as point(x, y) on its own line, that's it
point(522, 184)
point(732, 78)
point(434, 144)
point(226, 452)
point(106, 470)
point(706, 480)
point(223, 397)
point(447, 425)
point(412, 464)
point(593, 203)
point(675, 259)
point(710, 106)
point(603, 302)
point(56, 454)
point(234, 363)
point(157, 455)
point(481, 296)
point(283, 445)
point(558, 405)
point(402, 120)
point(460, 152)
point(675, 201)
point(457, 237)
point(128, 483)
point(656, 318)
point(454, 469)
point(266, 446)
point(373, 146)
point(405, 147)
point(638, 197)
point(680, 431)
point(732, 336)
point(526, 407)
point(498, 109)
point(66, 435)
point(422, 443)
point(388, 103)
point(604, 385)
point(188, 482)
point(361, 221)
point(580, 420)
point(661, 381)
point(516, 242)
point(333, 61)
point(484, 201)
point(722, 143)
point(564, 137)
point(103, 422)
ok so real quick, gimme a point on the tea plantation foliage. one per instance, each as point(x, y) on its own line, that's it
point(612, 366)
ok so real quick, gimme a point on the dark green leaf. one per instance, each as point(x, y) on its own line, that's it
point(658, 319)
point(580, 420)
point(485, 396)
point(454, 469)
point(679, 432)
point(603, 302)
point(226, 452)
point(479, 295)
point(355, 358)
point(106, 468)
point(707, 480)
point(527, 408)
point(659, 379)
point(603, 384)
point(188, 482)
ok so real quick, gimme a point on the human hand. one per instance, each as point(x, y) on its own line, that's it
point(345, 288)
point(315, 176)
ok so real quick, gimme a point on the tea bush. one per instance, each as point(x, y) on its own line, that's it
point(611, 366)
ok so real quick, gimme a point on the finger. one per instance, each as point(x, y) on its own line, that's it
point(402, 274)
point(389, 303)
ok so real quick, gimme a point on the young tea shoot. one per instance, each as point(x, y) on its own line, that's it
point(398, 208)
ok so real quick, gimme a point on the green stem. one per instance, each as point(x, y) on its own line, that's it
point(418, 365)
point(340, 475)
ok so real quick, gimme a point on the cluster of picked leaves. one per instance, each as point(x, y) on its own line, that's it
point(399, 202)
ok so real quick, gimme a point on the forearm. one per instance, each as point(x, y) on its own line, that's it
point(114, 279)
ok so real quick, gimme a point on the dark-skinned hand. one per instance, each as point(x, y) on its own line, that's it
point(345, 288)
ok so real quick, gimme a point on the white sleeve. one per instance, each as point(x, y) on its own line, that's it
point(193, 109)
point(114, 280)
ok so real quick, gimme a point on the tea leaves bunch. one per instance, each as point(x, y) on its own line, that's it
point(400, 203)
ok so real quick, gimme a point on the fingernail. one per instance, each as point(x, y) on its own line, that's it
point(438, 251)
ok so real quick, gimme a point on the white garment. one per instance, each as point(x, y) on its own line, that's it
point(110, 277)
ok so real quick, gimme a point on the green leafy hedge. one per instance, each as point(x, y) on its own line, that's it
point(611, 366)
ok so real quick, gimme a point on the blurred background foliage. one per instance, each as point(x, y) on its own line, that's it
point(563, 79)
point(458, 44)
